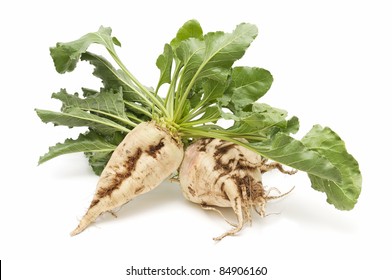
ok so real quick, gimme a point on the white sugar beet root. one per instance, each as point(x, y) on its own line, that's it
point(220, 173)
point(146, 157)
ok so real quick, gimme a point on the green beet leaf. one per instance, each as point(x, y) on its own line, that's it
point(223, 49)
point(190, 29)
point(90, 142)
point(76, 117)
point(191, 54)
point(112, 79)
point(164, 63)
point(104, 103)
point(291, 152)
point(104, 70)
point(211, 58)
point(66, 55)
point(98, 160)
point(343, 195)
point(248, 84)
point(262, 120)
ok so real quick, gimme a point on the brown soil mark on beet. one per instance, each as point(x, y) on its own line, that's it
point(94, 202)
point(223, 149)
point(246, 182)
point(191, 191)
point(204, 143)
point(119, 177)
point(139, 190)
point(154, 149)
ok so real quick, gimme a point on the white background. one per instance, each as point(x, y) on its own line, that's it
point(331, 62)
